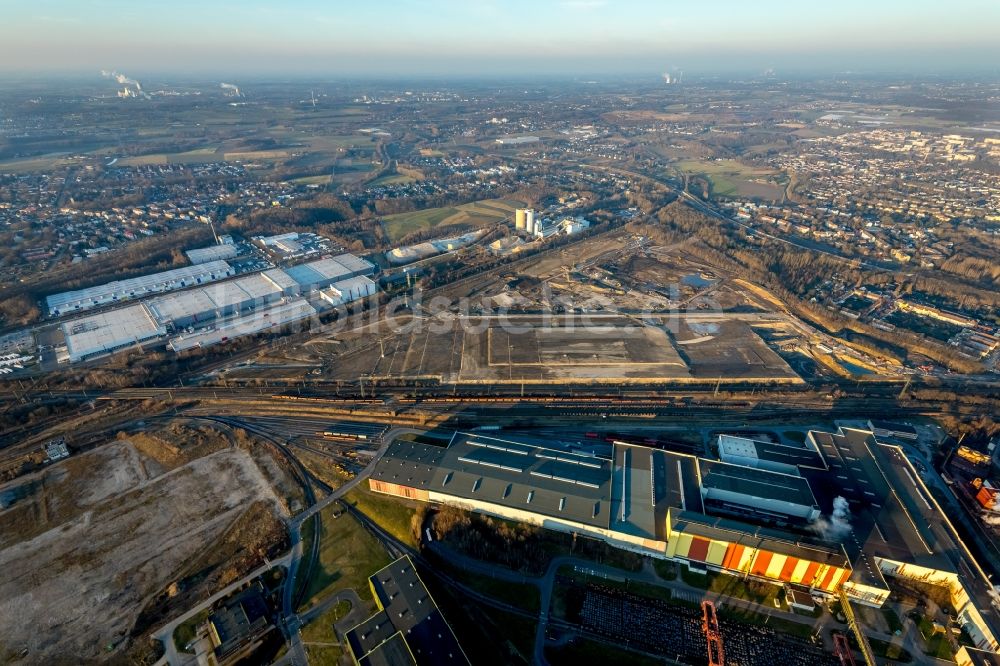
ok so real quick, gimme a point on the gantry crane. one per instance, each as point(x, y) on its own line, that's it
point(710, 625)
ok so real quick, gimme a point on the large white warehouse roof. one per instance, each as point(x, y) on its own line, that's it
point(203, 255)
point(109, 331)
point(121, 290)
point(278, 315)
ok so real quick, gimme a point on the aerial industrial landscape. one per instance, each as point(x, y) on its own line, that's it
point(597, 365)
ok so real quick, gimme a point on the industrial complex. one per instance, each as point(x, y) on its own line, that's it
point(215, 312)
point(107, 332)
point(839, 516)
point(137, 287)
point(526, 220)
point(219, 252)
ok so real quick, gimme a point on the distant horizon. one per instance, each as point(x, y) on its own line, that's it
point(650, 75)
point(488, 38)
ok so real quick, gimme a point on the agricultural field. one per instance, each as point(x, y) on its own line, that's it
point(403, 176)
point(45, 163)
point(197, 156)
point(730, 178)
point(348, 555)
point(478, 214)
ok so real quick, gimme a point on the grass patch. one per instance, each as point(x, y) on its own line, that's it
point(479, 213)
point(324, 655)
point(730, 178)
point(34, 164)
point(665, 570)
point(518, 631)
point(583, 652)
point(198, 155)
point(144, 160)
point(520, 595)
point(256, 155)
point(889, 650)
point(397, 226)
point(392, 514)
point(393, 179)
point(320, 630)
point(939, 647)
point(724, 584)
point(311, 180)
point(185, 632)
point(348, 555)
point(935, 644)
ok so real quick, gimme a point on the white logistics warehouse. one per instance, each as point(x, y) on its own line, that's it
point(261, 320)
point(321, 274)
point(144, 285)
point(203, 255)
point(294, 245)
point(204, 304)
point(106, 332)
point(349, 290)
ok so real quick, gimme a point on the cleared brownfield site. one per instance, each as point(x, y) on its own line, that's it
point(90, 541)
point(527, 348)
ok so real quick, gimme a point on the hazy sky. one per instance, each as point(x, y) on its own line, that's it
point(343, 37)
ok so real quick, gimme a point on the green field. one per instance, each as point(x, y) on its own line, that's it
point(520, 595)
point(186, 631)
point(338, 142)
point(255, 155)
point(393, 179)
point(35, 164)
point(312, 180)
point(478, 214)
point(323, 655)
point(348, 555)
point(730, 178)
point(196, 156)
point(319, 638)
point(403, 176)
point(393, 515)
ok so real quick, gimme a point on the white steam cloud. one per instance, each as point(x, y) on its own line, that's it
point(231, 90)
point(837, 525)
point(122, 79)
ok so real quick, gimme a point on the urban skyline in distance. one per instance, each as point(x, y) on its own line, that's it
point(552, 37)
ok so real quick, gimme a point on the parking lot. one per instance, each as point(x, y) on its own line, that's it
point(674, 631)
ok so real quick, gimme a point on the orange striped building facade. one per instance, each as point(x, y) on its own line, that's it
point(743, 554)
point(759, 558)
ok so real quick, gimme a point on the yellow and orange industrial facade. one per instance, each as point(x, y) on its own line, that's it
point(752, 556)
point(687, 540)
point(713, 515)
